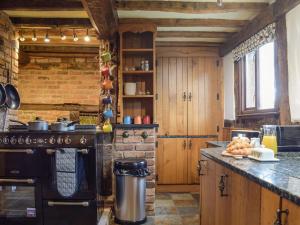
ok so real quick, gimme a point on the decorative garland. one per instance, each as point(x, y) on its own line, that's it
point(264, 36)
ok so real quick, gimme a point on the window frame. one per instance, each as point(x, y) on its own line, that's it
point(242, 88)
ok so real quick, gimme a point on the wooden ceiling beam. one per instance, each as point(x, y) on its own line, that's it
point(268, 16)
point(103, 16)
point(35, 5)
point(186, 44)
point(25, 22)
point(188, 7)
point(194, 34)
point(187, 22)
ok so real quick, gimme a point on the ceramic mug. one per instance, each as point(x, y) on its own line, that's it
point(107, 127)
point(137, 120)
point(146, 119)
point(106, 57)
point(107, 100)
point(107, 84)
point(105, 71)
point(108, 113)
point(127, 120)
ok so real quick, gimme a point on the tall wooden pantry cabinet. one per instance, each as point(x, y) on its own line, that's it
point(188, 109)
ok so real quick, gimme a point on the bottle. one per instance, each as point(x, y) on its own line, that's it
point(146, 66)
point(143, 65)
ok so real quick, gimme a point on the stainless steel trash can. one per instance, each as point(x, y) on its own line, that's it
point(130, 191)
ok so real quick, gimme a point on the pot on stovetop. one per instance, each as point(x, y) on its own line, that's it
point(63, 124)
point(36, 125)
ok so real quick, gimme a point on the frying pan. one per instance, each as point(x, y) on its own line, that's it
point(2, 95)
point(12, 97)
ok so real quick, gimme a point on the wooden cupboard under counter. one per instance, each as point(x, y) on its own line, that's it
point(228, 198)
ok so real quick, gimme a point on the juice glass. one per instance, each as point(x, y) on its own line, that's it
point(270, 137)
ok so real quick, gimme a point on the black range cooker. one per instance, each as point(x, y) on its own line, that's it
point(51, 177)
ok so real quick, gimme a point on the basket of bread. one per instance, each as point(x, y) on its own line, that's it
point(238, 147)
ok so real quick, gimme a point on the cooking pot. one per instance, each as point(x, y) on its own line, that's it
point(37, 125)
point(62, 124)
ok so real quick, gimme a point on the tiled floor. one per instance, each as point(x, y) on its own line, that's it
point(175, 209)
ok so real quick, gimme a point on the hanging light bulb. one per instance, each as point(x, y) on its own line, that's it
point(220, 3)
point(47, 39)
point(75, 38)
point(62, 36)
point(87, 37)
point(22, 38)
point(34, 38)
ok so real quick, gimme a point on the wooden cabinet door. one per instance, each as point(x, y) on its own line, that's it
point(171, 160)
point(171, 89)
point(204, 108)
point(293, 217)
point(207, 191)
point(270, 203)
point(194, 146)
point(223, 212)
point(245, 197)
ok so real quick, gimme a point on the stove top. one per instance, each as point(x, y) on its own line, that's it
point(18, 137)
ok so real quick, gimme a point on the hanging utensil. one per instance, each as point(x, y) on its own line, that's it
point(2, 95)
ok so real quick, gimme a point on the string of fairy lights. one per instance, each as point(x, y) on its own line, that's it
point(47, 37)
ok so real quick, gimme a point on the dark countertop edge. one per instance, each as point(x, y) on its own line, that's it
point(187, 136)
point(135, 126)
point(282, 193)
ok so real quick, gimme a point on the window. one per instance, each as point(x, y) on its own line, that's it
point(258, 80)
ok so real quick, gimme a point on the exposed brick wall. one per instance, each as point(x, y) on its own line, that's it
point(9, 53)
point(137, 147)
point(49, 80)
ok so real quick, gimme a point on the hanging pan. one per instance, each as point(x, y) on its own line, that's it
point(2, 95)
point(12, 95)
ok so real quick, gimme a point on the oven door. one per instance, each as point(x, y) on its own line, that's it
point(20, 202)
point(19, 163)
point(82, 182)
point(70, 212)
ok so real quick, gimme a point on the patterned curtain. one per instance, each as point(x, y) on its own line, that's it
point(264, 36)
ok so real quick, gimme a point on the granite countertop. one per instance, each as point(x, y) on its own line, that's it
point(219, 143)
point(281, 177)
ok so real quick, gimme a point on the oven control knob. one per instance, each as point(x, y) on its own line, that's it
point(6, 140)
point(83, 140)
point(52, 140)
point(13, 140)
point(68, 140)
point(21, 140)
point(28, 140)
point(60, 140)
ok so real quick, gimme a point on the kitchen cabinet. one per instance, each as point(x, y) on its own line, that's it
point(270, 202)
point(207, 191)
point(177, 160)
point(172, 161)
point(226, 197)
point(293, 216)
point(188, 95)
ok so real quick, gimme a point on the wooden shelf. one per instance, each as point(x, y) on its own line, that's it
point(138, 50)
point(138, 96)
point(140, 72)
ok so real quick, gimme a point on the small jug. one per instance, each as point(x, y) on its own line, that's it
point(127, 120)
point(107, 84)
point(108, 113)
point(105, 71)
point(146, 119)
point(107, 100)
point(137, 120)
point(107, 127)
point(106, 57)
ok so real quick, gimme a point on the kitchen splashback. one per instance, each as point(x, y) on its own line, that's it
point(288, 138)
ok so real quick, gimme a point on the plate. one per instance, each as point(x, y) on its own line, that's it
point(263, 160)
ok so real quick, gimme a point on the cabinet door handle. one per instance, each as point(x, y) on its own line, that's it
point(222, 185)
point(190, 144)
point(279, 213)
point(184, 96)
point(184, 144)
point(190, 96)
point(200, 167)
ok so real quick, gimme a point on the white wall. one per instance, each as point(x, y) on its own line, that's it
point(293, 39)
point(229, 100)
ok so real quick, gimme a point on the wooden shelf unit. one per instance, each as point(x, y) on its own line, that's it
point(137, 43)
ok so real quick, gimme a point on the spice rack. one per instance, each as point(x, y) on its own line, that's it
point(137, 66)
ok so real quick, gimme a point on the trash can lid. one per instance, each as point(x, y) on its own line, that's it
point(130, 164)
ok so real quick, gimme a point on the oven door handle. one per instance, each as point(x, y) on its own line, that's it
point(27, 151)
point(84, 204)
point(82, 151)
point(28, 181)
